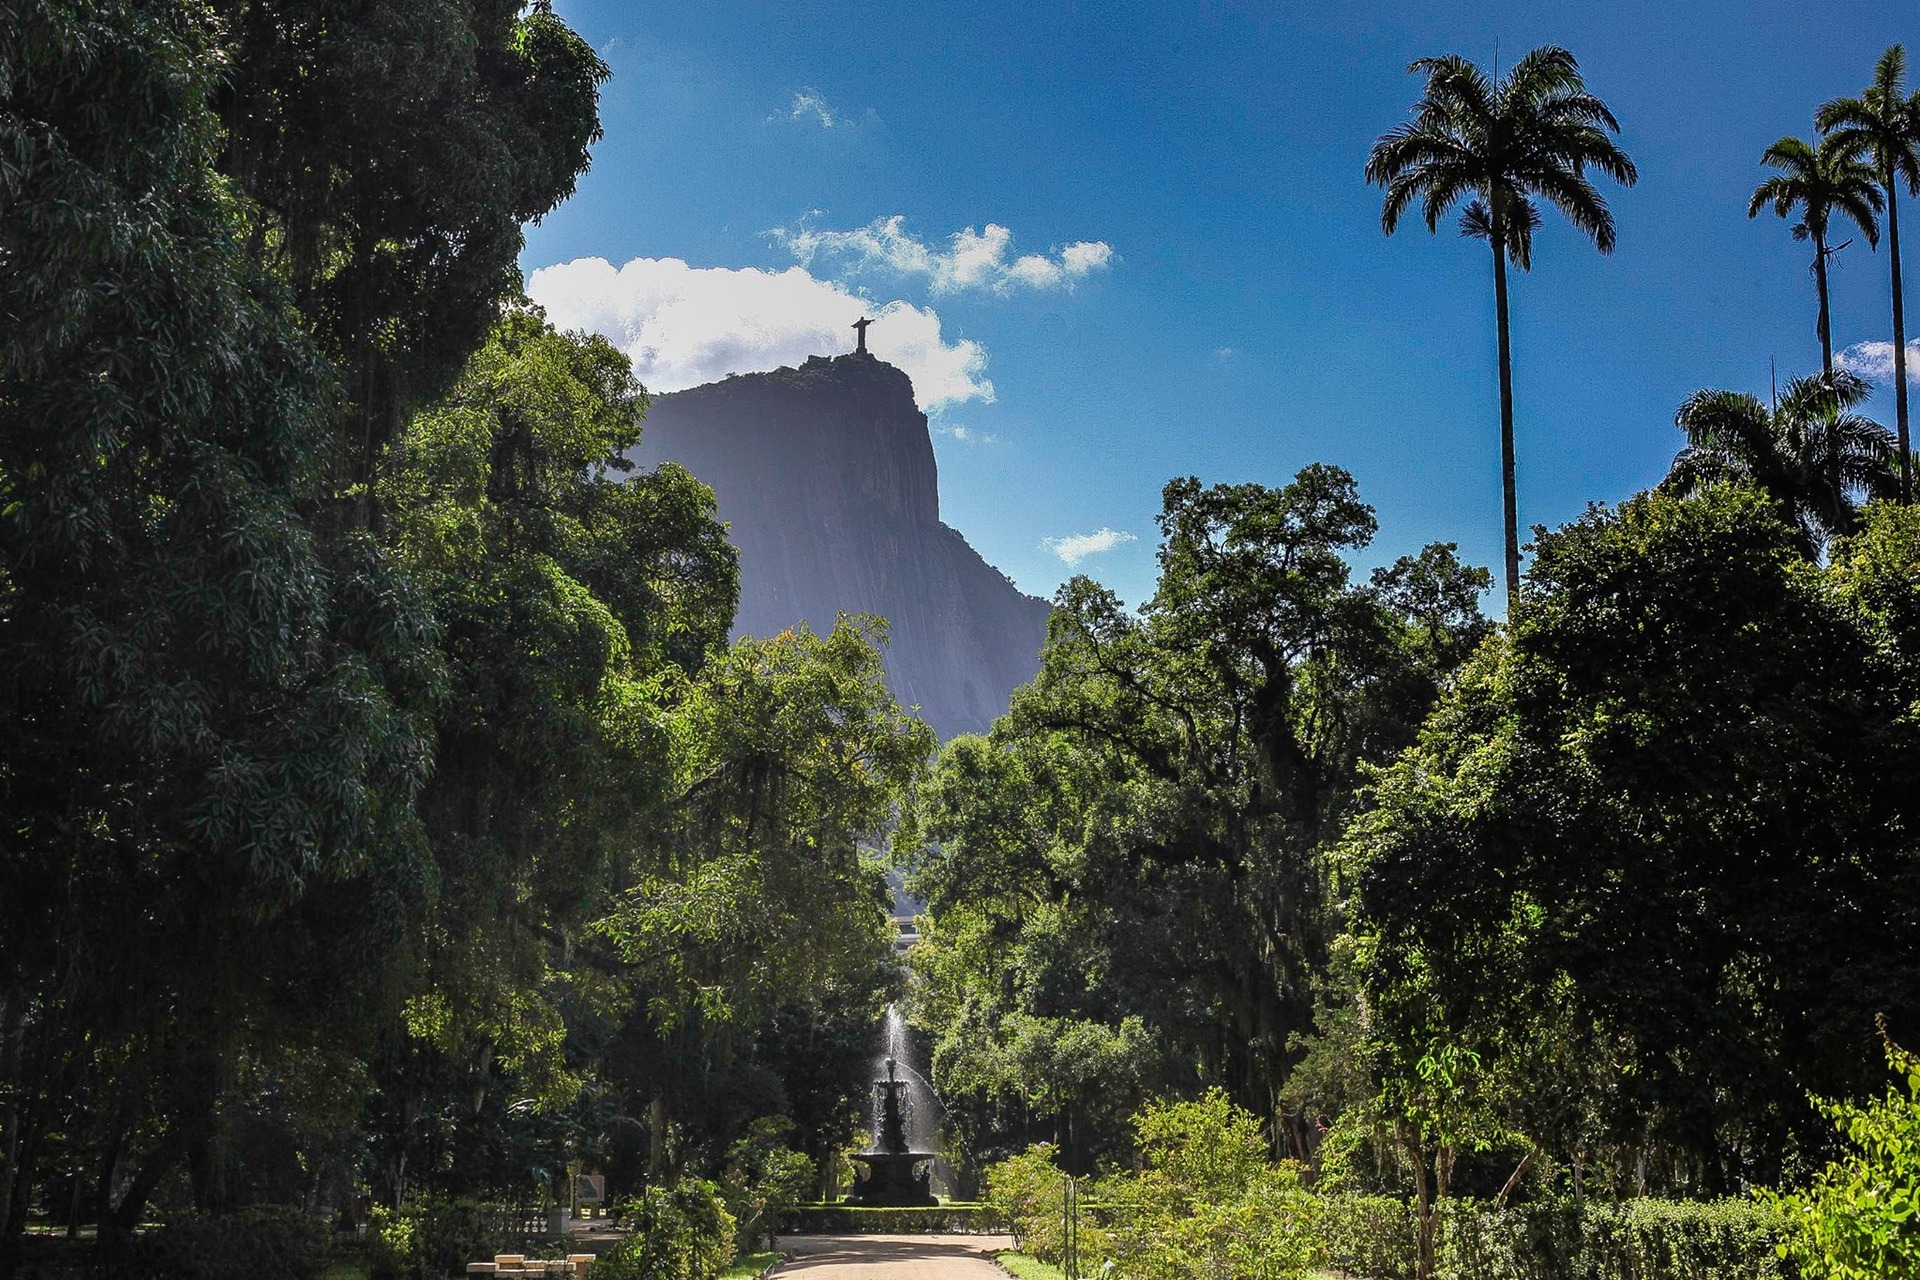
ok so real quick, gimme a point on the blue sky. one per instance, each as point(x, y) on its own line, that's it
point(1188, 274)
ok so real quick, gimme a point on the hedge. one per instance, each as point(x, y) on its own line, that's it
point(1373, 1237)
point(1630, 1240)
point(962, 1217)
point(269, 1240)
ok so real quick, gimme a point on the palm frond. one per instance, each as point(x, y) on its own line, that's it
point(1535, 132)
point(1582, 205)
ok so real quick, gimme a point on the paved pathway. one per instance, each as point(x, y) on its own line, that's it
point(878, 1257)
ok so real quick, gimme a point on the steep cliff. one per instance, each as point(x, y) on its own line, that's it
point(826, 476)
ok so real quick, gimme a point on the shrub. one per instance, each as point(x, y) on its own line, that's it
point(1368, 1236)
point(269, 1240)
point(682, 1232)
point(1029, 1191)
point(1267, 1228)
point(1209, 1205)
point(432, 1238)
point(836, 1219)
point(1861, 1217)
point(1674, 1240)
point(448, 1234)
point(765, 1179)
point(1632, 1240)
point(391, 1252)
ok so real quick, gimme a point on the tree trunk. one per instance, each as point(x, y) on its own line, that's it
point(119, 1221)
point(1424, 1208)
point(656, 1137)
point(1507, 481)
point(1899, 343)
point(1820, 281)
point(13, 1028)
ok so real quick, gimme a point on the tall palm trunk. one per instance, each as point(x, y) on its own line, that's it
point(1507, 482)
point(1899, 343)
point(1820, 281)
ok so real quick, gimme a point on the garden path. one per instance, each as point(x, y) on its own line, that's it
point(881, 1257)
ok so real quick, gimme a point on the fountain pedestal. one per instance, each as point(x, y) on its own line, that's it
point(896, 1175)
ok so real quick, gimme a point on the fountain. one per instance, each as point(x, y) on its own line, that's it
point(898, 1176)
point(892, 1180)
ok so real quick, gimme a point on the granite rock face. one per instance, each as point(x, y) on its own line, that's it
point(826, 476)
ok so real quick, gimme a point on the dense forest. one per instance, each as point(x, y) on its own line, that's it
point(386, 814)
point(392, 832)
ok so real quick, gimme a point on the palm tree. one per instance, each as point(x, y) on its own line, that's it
point(1819, 181)
point(1811, 452)
point(1882, 126)
point(1503, 143)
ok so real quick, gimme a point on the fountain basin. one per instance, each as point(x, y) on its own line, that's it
point(895, 1180)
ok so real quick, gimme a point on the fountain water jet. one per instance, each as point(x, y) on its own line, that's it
point(897, 1174)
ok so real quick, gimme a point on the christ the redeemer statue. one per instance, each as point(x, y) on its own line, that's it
point(861, 324)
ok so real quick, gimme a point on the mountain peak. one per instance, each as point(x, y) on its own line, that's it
point(825, 474)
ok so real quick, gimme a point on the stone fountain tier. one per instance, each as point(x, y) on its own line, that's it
point(897, 1176)
point(893, 1182)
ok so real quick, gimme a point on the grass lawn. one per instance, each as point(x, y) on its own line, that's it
point(1027, 1267)
point(749, 1265)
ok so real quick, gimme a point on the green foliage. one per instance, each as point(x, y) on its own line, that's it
point(395, 212)
point(1860, 1220)
point(681, 1232)
point(1634, 1239)
point(789, 752)
point(1371, 1236)
point(833, 1219)
point(1128, 880)
point(1208, 1202)
point(1024, 1266)
point(244, 1245)
point(393, 1252)
point(217, 700)
point(764, 1179)
point(1810, 451)
point(437, 1236)
point(1649, 847)
point(750, 1266)
point(1208, 1205)
point(1028, 1191)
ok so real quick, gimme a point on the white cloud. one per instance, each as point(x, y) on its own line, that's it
point(1082, 256)
point(1874, 361)
point(811, 104)
point(965, 434)
point(1076, 547)
point(970, 260)
point(1225, 353)
point(683, 326)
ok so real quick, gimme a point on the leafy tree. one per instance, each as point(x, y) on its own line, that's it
point(1506, 144)
point(756, 897)
point(1145, 833)
point(217, 719)
point(393, 206)
point(1811, 452)
point(1882, 126)
point(552, 744)
point(1671, 805)
point(1820, 181)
